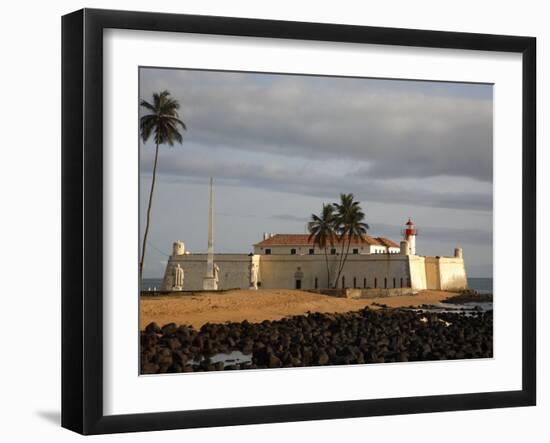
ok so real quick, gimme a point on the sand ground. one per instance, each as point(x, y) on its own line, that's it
point(264, 304)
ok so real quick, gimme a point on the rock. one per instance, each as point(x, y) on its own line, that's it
point(322, 358)
point(164, 357)
point(184, 331)
point(150, 368)
point(180, 357)
point(365, 336)
point(153, 327)
point(273, 361)
point(173, 343)
point(403, 356)
point(164, 368)
point(149, 339)
point(169, 329)
point(148, 354)
point(175, 368)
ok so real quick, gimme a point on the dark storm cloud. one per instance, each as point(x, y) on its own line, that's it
point(439, 234)
point(307, 179)
point(395, 131)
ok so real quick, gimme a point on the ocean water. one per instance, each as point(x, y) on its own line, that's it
point(149, 284)
point(482, 285)
point(233, 358)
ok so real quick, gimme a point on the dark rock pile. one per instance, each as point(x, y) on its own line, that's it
point(469, 297)
point(367, 336)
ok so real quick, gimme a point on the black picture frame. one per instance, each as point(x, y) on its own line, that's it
point(82, 215)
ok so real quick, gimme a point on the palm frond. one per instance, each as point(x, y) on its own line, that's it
point(148, 105)
point(163, 120)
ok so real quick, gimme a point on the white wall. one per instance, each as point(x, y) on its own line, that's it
point(452, 273)
point(30, 183)
point(234, 271)
point(278, 271)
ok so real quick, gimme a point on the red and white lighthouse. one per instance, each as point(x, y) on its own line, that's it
point(409, 234)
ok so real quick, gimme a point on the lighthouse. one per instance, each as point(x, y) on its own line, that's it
point(409, 234)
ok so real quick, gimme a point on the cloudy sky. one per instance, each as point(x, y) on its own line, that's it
point(278, 146)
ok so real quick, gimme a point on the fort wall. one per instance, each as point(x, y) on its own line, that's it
point(284, 271)
point(417, 271)
point(432, 266)
point(233, 273)
point(452, 274)
point(383, 271)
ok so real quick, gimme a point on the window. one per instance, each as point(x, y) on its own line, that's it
point(354, 282)
point(401, 281)
point(375, 282)
point(365, 283)
point(394, 283)
point(385, 283)
point(333, 251)
point(311, 251)
point(355, 251)
point(293, 251)
point(316, 283)
point(268, 251)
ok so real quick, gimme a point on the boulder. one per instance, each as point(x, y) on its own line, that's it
point(150, 368)
point(153, 327)
point(169, 329)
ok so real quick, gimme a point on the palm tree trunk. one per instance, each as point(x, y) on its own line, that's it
point(346, 256)
point(328, 269)
point(143, 247)
point(340, 258)
point(343, 260)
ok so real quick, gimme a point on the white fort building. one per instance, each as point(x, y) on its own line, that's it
point(293, 261)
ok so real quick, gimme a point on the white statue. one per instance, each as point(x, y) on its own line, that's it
point(253, 275)
point(178, 277)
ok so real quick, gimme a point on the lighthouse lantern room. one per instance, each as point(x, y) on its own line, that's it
point(409, 234)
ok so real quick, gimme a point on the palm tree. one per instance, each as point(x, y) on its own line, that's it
point(349, 226)
point(321, 230)
point(163, 122)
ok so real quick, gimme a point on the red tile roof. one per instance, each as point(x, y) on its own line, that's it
point(387, 242)
point(303, 240)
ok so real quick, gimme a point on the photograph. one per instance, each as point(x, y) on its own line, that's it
point(275, 221)
point(291, 220)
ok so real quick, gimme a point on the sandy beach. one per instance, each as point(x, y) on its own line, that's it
point(256, 306)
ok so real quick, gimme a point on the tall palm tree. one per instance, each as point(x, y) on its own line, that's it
point(163, 123)
point(321, 230)
point(349, 226)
